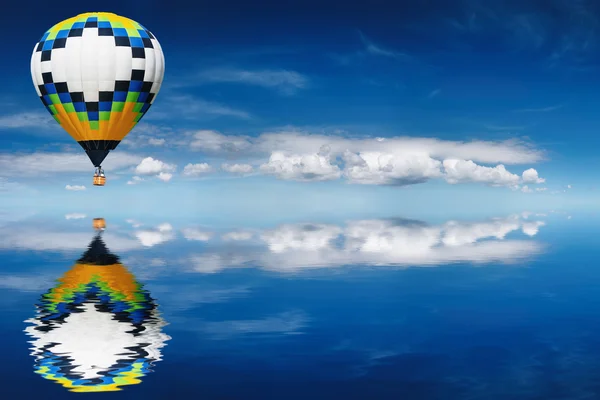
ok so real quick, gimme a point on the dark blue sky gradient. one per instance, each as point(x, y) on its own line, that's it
point(461, 70)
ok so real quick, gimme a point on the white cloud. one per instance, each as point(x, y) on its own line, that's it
point(385, 168)
point(460, 171)
point(396, 160)
point(46, 163)
point(196, 234)
point(542, 189)
point(135, 180)
point(237, 236)
point(134, 223)
point(197, 169)
point(212, 141)
point(285, 81)
point(75, 216)
point(151, 166)
point(75, 188)
point(531, 176)
point(526, 189)
point(151, 237)
point(487, 152)
point(156, 141)
point(164, 176)
point(237, 168)
point(568, 186)
point(308, 167)
point(28, 120)
point(295, 142)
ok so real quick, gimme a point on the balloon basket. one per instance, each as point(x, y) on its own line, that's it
point(99, 180)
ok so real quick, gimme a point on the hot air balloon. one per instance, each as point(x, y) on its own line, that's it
point(97, 329)
point(97, 74)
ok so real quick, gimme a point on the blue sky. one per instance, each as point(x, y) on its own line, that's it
point(351, 105)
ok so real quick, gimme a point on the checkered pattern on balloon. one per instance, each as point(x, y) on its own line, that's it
point(97, 74)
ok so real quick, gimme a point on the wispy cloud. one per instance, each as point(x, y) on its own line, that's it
point(578, 42)
point(147, 134)
point(196, 234)
point(303, 142)
point(45, 163)
point(75, 188)
point(540, 109)
point(378, 50)
point(237, 236)
point(26, 283)
point(35, 120)
point(8, 186)
point(237, 168)
point(513, 128)
point(75, 216)
point(563, 34)
point(284, 81)
point(287, 323)
point(194, 108)
point(369, 49)
point(34, 238)
point(135, 180)
point(434, 93)
point(213, 141)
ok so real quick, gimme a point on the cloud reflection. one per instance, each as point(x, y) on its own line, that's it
point(296, 247)
point(285, 323)
point(151, 237)
point(44, 238)
point(379, 242)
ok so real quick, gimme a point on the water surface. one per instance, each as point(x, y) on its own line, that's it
point(485, 308)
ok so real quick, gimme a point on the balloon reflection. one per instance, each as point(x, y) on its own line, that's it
point(97, 329)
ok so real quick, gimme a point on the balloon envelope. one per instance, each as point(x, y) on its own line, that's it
point(97, 74)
